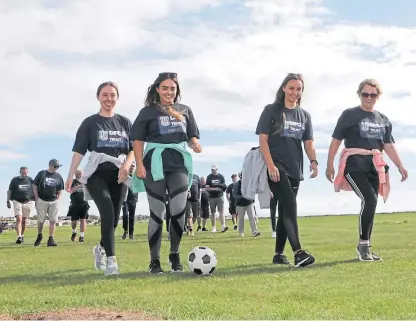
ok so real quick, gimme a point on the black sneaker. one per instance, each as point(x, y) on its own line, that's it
point(124, 235)
point(225, 229)
point(38, 240)
point(81, 239)
point(235, 227)
point(198, 229)
point(155, 268)
point(19, 240)
point(303, 258)
point(73, 236)
point(51, 242)
point(375, 256)
point(175, 262)
point(204, 229)
point(131, 237)
point(364, 253)
point(280, 259)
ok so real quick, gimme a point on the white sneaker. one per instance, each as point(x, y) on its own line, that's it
point(99, 257)
point(242, 234)
point(214, 230)
point(112, 266)
point(273, 235)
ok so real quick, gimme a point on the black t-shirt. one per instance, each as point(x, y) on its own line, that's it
point(21, 189)
point(78, 196)
point(154, 126)
point(230, 191)
point(108, 135)
point(204, 197)
point(132, 197)
point(195, 189)
point(49, 185)
point(286, 145)
point(216, 181)
point(240, 200)
point(363, 129)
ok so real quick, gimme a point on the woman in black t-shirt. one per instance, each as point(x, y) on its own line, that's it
point(364, 128)
point(107, 133)
point(164, 121)
point(282, 128)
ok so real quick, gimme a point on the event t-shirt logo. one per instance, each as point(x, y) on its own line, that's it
point(112, 139)
point(170, 125)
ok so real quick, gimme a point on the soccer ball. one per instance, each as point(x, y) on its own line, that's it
point(202, 260)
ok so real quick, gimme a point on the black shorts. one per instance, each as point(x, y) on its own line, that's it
point(205, 212)
point(78, 211)
point(231, 209)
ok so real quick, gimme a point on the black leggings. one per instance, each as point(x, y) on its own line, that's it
point(366, 187)
point(273, 207)
point(129, 211)
point(285, 192)
point(108, 195)
point(176, 184)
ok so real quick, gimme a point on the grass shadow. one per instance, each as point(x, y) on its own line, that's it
point(82, 276)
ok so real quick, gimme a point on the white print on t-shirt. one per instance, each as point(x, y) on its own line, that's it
point(112, 139)
point(371, 130)
point(50, 181)
point(23, 187)
point(293, 129)
point(170, 125)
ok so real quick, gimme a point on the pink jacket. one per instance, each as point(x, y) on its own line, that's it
point(341, 183)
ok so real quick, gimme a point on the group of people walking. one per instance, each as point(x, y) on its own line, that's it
point(159, 141)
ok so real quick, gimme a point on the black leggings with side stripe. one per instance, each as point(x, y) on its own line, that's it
point(285, 192)
point(366, 186)
point(176, 184)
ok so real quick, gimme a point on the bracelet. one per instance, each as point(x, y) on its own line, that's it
point(314, 160)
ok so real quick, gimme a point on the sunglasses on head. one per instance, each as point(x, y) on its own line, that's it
point(366, 95)
point(169, 74)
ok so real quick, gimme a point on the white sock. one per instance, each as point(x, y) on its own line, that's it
point(81, 234)
point(364, 242)
point(74, 230)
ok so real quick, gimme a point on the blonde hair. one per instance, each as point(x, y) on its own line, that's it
point(370, 82)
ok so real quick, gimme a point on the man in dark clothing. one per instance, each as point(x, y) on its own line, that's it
point(78, 209)
point(192, 211)
point(231, 200)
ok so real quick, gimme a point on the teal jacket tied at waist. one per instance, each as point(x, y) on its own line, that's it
point(157, 164)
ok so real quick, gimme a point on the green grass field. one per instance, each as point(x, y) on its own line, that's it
point(245, 286)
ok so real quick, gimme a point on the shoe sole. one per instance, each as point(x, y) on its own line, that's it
point(361, 259)
point(305, 262)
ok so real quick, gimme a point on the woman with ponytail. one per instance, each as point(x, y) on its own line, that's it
point(167, 128)
point(282, 128)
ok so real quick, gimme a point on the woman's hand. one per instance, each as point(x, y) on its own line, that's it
point(274, 173)
point(196, 147)
point(123, 173)
point(141, 171)
point(68, 184)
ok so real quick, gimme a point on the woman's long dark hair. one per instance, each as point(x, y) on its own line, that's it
point(154, 98)
point(279, 103)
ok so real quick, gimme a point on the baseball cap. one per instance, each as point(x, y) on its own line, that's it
point(214, 167)
point(54, 162)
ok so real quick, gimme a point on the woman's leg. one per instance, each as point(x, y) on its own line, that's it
point(99, 188)
point(362, 186)
point(286, 197)
point(273, 206)
point(177, 185)
point(156, 196)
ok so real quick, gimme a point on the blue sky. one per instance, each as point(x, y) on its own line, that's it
point(231, 57)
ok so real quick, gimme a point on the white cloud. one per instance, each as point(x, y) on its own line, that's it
point(6, 156)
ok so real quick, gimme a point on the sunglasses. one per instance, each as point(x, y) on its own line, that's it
point(366, 95)
point(169, 74)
